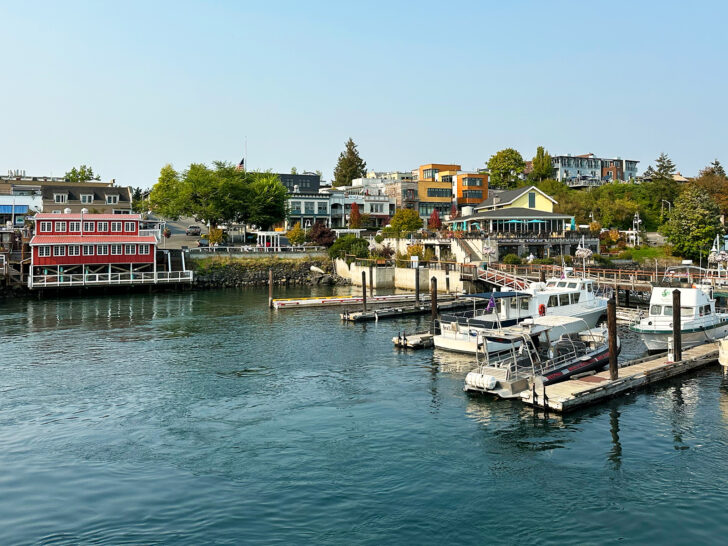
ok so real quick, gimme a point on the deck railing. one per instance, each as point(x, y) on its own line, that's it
point(108, 279)
point(251, 249)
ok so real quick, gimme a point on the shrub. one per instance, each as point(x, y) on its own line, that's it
point(625, 255)
point(349, 244)
point(511, 259)
point(385, 252)
point(296, 235)
point(321, 235)
point(601, 260)
point(543, 261)
point(416, 250)
point(379, 239)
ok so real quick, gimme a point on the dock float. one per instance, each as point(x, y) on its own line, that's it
point(398, 312)
point(577, 393)
point(422, 340)
point(295, 303)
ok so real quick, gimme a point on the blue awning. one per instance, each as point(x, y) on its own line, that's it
point(495, 295)
point(8, 209)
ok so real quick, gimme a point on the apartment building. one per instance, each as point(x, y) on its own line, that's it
point(589, 170)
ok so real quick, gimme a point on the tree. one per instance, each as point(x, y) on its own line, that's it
point(296, 235)
point(541, 164)
point(504, 167)
point(453, 212)
point(349, 244)
point(82, 174)
point(349, 166)
point(354, 217)
point(164, 198)
point(716, 186)
point(715, 168)
point(321, 235)
point(693, 224)
point(664, 167)
point(406, 220)
point(268, 200)
point(138, 203)
point(294, 170)
point(434, 222)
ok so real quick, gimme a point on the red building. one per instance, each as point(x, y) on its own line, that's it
point(83, 248)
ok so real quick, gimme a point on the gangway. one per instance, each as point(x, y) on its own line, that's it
point(503, 279)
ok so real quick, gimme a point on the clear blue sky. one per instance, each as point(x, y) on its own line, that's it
point(129, 86)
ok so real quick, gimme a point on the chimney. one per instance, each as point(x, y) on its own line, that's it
point(496, 200)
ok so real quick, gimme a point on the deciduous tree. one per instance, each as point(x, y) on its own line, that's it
point(354, 217)
point(715, 168)
point(296, 235)
point(504, 167)
point(693, 224)
point(268, 200)
point(321, 235)
point(405, 220)
point(434, 221)
point(83, 174)
point(349, 166)
point(542, 167)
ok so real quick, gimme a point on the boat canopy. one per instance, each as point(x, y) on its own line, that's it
point(497, 295)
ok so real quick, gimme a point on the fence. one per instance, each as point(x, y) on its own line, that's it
point(247, 249)
point(108, 279)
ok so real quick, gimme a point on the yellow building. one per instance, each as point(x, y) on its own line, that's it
point(435, 187)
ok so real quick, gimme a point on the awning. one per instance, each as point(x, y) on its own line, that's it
point(536, 222)
point(8, 209)
point(514, 222)
point(497, 295)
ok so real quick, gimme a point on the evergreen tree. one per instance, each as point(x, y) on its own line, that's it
point(693, 224)
point(664, 167)
point(542, 168)
point(714, 169)
point(649, 173)
point(349, 166)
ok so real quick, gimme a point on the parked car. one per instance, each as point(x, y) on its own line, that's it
point(193, 230)
point(203, 242)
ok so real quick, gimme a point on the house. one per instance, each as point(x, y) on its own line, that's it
point(589, 170)
point(85, 249)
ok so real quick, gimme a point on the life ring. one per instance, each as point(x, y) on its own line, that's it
point(541, 310)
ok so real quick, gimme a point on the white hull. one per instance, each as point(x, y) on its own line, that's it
point(658, 341)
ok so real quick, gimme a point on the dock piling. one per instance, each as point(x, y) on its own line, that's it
point(270, 288)
point(371, 281)
point(612, 332)
point(676, 334)
point(364, 289)
point(417, 285)
point(433, 301)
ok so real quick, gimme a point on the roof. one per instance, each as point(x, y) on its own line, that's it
point(495, 295)
point(511, 214)
point(90, 239)
point(8, 209)
point(86, 216)
point(508, 196)
point(75, 191)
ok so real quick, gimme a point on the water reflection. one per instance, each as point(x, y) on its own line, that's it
point(615, 454)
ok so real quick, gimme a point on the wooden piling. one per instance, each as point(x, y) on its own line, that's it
point(433, 301)
point(417, 285)
point(612, 331)
point(447, 280)
point(364, 289)
point(626, 297)
point(542, 275)
point(270, 288)
point(676, 333)
point(371, 281)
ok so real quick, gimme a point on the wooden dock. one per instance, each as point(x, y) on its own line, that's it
point(297, 303)
point(422, 309)
point(577, 393)
point(422, 340)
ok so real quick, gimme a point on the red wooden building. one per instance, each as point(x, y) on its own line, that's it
point(87, 249)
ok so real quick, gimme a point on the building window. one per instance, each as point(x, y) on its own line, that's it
point(59, 250)
point(60, 198)
point(323, 208)
point(88, 250)
point(116, 227)
point(88, 226)
point(439, 192)
point(429, 174)
point(112, 199)
point(46, 227)
point(473, 194)
point(446, 178)
point(129, 250)
point(74, 227)
point(129, 226)
point(116, 250)
point(102, 226)
point(309, 207)
point(102, 250)
point(74, 250)
point(87, 198)
point(532, 200)
point(295, 207)
point(144, 249)
point(470, 181)
point(44, 251)
point(61, 227)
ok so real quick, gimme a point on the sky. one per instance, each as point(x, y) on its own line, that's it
point(128, 87)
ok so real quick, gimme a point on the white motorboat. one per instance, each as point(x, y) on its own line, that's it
point(699, 323)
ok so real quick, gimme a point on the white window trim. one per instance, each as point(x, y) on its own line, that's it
point(118, 247)
point(59, 250)
point(128, 247)
point(129, 229)
point(63, 196)
point(102, 250)
point(60, 227)
point(102, 226)
point(74, 250)
point(89, 226)
point(143, 250)
point(73, 224)
point(88, 250)
point(112, 199)
point(89, 200)
point(44, 251)
point(46, 227)
point(113, 224)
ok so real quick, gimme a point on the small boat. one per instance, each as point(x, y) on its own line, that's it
point(699, 322)
point(508, 373)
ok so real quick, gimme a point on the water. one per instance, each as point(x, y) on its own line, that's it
point(204, 417)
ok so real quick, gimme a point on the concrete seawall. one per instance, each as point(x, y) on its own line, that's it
point(400, 277)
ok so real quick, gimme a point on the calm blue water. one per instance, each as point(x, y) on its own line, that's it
point(204, 417)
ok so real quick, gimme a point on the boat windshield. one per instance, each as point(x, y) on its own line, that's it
point(687, 311)
point(656, 310)
point(667, 311)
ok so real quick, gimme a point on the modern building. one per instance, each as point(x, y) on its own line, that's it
point(588, 170)
point(306, 182)
point(390, 175)
point(470, 188)
point(435, 188)
point(18, 201)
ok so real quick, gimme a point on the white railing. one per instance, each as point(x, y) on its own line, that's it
point(109, 279)
point(3, 265)
point(255, 249)
point(156, 233)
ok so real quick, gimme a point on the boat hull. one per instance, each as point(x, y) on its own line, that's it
point(656, 341)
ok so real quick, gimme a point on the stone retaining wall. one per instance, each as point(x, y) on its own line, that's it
point(254, 272)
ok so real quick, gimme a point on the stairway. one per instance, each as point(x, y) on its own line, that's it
point(503, 279)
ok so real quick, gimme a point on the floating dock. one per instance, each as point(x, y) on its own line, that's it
point(422, 340)
point(397, 312)
point(577, 393)
point(295, 303)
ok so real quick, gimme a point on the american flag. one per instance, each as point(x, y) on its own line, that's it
point(240, 166)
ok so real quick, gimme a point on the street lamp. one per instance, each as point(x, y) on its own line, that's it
point(669, 207)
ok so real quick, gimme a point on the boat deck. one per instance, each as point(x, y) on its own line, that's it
point(576, 393)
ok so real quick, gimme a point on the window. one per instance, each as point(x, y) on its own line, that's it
point(128, 226)
point(59, 250)
point(87, 198)
point(572, 285)
point(563, 299)
point(61, 227)
point(116, 250)
point(129, 250)
point(115, 226)
point(575, 297)
point(687, 311)
point(102, 226)
point(667, 311)
point(88, 226)
point(469, 181)
point(56, 211)
point(74, 250)
point(309, 207)
point(295, 207)
point(144, 249)
point(430, 173)
point(562, 284)
point(472, 194)
point(525, 304)
point(102, 250)
point(532, 200)
point(553, 301)
point(112, 199)
point(589, 287)
point(439, 192)
point(74, 227)
point(60, 198)
point(656, 310)
point(376, 208)
point(552, 284)
point(44, 251)
point(322, 208)
point(46, 227)
point(88, 250)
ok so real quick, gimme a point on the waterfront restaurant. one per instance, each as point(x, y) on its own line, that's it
point(72, 249)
